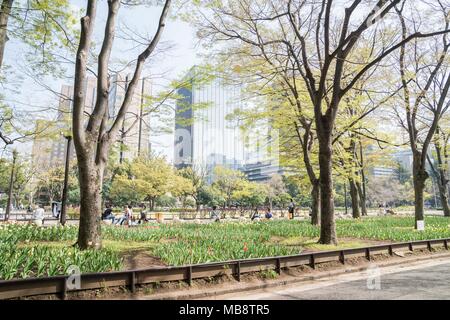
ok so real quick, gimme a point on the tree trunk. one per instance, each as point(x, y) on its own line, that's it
point(91, 176)
point(419, 178)
point(315, 207)
point(362, 199)
point(355, 199)
point(328, 227)
point(444, 198)
point(4, 16)
point(441, 172)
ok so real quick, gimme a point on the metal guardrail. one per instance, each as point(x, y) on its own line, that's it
point(131, 278)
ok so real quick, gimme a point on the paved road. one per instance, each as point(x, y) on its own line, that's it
point(421, 281)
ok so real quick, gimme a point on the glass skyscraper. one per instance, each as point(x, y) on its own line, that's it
point(206, 136)
point(203, 134)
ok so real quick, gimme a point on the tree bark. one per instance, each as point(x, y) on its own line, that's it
point(89, 235)
point(362, 198)
point(419, 178)
point(4, 17)
point(355, 199)
point(444, 199)
point(315, 207)
point(441, 172)
point(306, 143)
point(328, 227)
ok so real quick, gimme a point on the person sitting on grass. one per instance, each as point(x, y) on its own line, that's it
point(125, 217)
point(215, 214)
point(143, 215)
point(255, 215)
point(108, 215)
point(38, 215)
point(268, 214)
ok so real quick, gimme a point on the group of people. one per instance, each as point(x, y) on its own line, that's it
point(127, 216)
point(256, 216)
point(215, 214)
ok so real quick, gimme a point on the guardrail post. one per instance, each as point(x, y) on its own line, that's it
point(278, 266)
point(446, 244)
point(368, 254)
point(429, 246)
point(64, 289)
point(133, 282)
point(189, 274)
point(238, 271)
point(391, 253)
point(312, 262)
point(342, 257)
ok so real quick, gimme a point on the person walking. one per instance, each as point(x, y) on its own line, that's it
point(291, 209)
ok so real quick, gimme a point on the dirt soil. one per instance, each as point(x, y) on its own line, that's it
point(140, 259)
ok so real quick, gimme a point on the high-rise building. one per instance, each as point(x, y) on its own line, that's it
point(136, 124)
point(206, 136)
point(203, 135)
point(41, 153)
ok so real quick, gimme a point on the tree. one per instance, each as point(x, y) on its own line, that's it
point(196, 174)
point(440, 170)
point(275, 188)
point(321, 39)
point(226, 182)
point(182, 188)
point(93, 141)
point(147, 179)
point(51, 182)
point(250, 194)
point(426, 84)
point(45, 26)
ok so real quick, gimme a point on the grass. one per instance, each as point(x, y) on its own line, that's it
point(31, 251)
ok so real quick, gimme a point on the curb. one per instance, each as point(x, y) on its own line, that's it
point(243, 287)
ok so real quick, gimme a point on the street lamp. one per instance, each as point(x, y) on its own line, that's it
point(66, 178)
point(11, 186)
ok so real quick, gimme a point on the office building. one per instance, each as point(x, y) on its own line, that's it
point(50, 151)
point(206, 135)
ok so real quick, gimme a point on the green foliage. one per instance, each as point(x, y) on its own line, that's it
point(250, 194)
point(49, 29)
point(180, 244)
point(226, 182)
point(20, 260)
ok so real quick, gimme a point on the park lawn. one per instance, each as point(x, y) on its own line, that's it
point(27, 250)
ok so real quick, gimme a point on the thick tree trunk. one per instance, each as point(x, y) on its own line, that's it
point(355, 199)
point(91, 176)
point(5, 11)
point(328, 227)
point(419, 178)
point(315, 207)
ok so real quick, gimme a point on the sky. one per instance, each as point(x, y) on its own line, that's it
point(178, 37)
